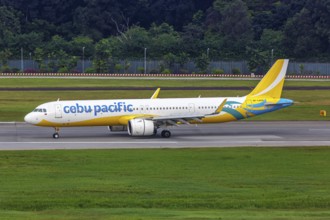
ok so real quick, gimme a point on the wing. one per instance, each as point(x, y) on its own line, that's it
point(175, 119)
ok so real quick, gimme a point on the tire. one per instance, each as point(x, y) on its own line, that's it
point(166, 134)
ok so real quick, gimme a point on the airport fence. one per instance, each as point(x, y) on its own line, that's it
point(126, 75)
point(155, 67)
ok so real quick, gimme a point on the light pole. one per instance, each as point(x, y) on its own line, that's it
point(30, 61)
point(83, 60)
point(22, 60)
point(145, 60)
point(272, 56)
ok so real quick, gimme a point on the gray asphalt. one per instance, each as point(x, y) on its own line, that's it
point(21, 136)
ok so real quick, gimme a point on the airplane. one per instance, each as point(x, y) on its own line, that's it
point(143, 117)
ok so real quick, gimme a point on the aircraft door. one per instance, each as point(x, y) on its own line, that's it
point(191, 107)
point(58, 111)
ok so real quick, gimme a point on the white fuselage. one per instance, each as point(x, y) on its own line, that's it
point(115, 112)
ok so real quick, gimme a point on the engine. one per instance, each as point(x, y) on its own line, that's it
point(141, 127)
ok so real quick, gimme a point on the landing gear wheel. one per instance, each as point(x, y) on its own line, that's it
point(166, 134)
point(56, 135)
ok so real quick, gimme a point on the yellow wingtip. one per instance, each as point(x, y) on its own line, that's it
point(219, 109)
point(155, 95)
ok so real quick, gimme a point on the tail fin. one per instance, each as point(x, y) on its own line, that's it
point(272, 83)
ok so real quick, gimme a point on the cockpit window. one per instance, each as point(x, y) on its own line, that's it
point(40, 110)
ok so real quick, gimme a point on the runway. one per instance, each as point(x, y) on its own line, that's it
point(21, 136)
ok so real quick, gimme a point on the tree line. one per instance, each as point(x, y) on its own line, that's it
point(56, 34)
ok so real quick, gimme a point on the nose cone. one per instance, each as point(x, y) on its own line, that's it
point(29, 118)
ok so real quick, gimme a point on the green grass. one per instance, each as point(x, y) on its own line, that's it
point(15, 104)
point(240, 183)
point(40, 82)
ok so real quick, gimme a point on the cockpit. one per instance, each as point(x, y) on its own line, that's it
point(40, 110)
point(38, 114)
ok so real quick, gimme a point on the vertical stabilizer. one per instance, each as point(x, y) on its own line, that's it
point(272, 83)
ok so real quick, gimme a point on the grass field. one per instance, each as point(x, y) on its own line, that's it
point(48, 83)
point(15, 104)
point(240, 183)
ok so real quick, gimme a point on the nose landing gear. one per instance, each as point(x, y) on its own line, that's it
point(56, 135)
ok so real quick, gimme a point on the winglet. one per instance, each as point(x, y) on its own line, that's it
point(155, 95)
point(219, 109)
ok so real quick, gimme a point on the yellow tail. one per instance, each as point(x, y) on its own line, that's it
point(272, 83)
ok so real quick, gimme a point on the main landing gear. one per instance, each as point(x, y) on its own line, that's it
point(165, 134)
point(56, 135)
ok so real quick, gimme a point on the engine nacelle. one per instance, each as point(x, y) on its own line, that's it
point(141, 127)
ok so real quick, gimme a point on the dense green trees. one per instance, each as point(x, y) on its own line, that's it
point(58, 33)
